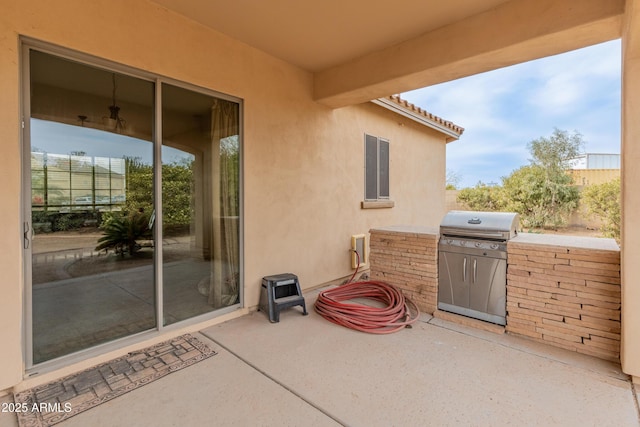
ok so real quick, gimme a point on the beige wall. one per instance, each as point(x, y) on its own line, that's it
point(303, 162)
point(585, 177)
point(312, 186)
point(630, 155)
point(10, 221)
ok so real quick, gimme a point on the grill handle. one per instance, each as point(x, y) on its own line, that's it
point(475, 269)
point(471, 233)
point(464, 270)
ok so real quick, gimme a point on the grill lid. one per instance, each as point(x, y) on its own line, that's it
point(488, 225)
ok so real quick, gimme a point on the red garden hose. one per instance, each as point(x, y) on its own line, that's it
point(400, 312)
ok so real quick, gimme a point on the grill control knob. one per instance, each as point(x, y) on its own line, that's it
point(494, 246)
point(478, 244)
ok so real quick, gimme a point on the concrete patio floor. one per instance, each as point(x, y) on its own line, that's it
point(305, 371)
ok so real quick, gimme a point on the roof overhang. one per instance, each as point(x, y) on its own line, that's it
point(406, 109)
point(366, 49)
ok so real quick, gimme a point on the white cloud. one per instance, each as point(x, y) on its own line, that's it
point(503, 110)
point(571, 80)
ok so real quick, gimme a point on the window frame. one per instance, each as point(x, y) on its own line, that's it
point(377, 158)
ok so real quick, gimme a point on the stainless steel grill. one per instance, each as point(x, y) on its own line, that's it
point(472, 263)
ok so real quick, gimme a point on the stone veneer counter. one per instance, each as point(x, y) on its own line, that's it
point(576, 242)
point(565, 291)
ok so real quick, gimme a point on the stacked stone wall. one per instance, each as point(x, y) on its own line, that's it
point(566, 296)
point(407, 258)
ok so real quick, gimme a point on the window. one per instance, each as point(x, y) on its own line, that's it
point(376, 187)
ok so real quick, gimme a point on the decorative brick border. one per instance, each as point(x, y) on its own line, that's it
point(79, 392)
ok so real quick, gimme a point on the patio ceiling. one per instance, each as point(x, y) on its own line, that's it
point(365, 49)
point(319, 35)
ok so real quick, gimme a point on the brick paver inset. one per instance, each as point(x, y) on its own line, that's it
point(81, 391)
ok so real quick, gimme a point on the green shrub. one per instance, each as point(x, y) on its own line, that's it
point(603, 200)
point(122, 232)
point(482, 197)
point(541, 199)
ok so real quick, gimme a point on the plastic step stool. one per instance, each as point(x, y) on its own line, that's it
point(278, 293)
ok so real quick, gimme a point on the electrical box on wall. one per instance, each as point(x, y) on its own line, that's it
point(359, 245)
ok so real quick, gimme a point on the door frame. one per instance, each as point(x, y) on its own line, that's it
point(26, 45)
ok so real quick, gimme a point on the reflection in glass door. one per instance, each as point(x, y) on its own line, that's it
point(200, 210)
point(92, 250)
point(124, 233)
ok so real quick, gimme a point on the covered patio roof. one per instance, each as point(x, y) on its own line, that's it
point(363, 50)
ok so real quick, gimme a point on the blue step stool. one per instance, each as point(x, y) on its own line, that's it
point(279, 292)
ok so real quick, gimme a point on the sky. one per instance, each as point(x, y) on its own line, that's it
point(505, 109)
point(60, 138)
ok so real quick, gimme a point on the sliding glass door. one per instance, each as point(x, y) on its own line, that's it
point(132, 203)
point(200, 188)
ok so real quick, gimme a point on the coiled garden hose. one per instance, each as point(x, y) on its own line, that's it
point(337, 306)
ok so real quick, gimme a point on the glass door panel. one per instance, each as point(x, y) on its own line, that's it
point(200, 210)
point(92, 251)
point(93, 237)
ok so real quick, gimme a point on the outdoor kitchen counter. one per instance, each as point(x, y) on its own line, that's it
point(561, 290)
point(577, 242)
point(565, 291)
point(408, 229)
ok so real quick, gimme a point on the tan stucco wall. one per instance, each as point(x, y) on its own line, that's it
point(10, 221)
point(584, 177)
point(630, 155)
point(304, 186)
point(303, 162)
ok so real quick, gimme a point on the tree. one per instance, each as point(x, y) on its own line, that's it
point(139, 176)
point(452, 180)
point(603, 200)
point(177, 195)
point(177, 189)
point(556, 197)
point(540, 200)
point(555, 153)
point(542, 192)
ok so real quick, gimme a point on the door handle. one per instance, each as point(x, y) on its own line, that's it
point(464, 270)
point(26, 229)
point(475, 269)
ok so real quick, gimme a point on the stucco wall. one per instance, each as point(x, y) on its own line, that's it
point(303, 162)
point(630, 155)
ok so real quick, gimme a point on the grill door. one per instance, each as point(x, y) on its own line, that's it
point(487, 291)
point(453, 286)
point(473, 285)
